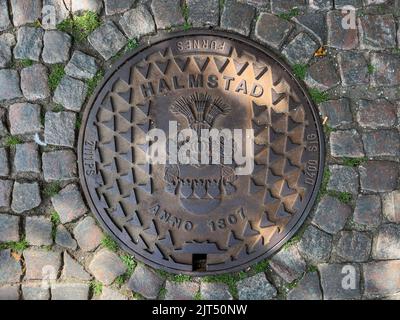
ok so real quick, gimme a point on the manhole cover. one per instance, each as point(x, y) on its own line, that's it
point(211, 206)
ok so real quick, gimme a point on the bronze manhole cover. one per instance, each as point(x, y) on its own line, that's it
point(218, 203)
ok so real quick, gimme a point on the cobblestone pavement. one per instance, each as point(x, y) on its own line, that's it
point(349, 248)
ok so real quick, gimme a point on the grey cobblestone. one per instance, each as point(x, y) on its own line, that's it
point(353, 68)
point(386, 243)
point(315, 245)
point(4, 166)
point(167, 13)
point(9, 292)
point(288, 264)
point(106, 266)
point(337, 111)
point(64, 238)
point(137, 22)
point(391, 206)
point(386, 69)
point(10, 271)
point(377, 32)
point(382, 143)
point(354, 246)
point(38, 231)
point(379, 176)
point(81, 66)
point(321, 4)
point(34, 291)
point(308, 288)
point(322, 75)
point(368, 211)
point(9, 228)
point(69, 204)
point(107, 40)
point(56, 47)
point(79, 6)
point(9, 85)
point(24, 118)
point(61, 13)
point(6, 187)
point(256, 288)
point(27, 158)
point(346, 144)
point(332, 279)
point(60, 128)
point(314, 23)
point(181, 291)
point(145, 282)
point(343, 179)
point(5, 22)
point(339, 4)
point(34, 82)
point(331, 215)
point(215, 291)
point(339, 37)
point(59, 165)
point(41, 263)
point(88, 234)
point(25, 11)
point(71, 93)
point(301, 49)
point(7, 40)
point(73, 269)
point(109, 294)
point(117, 6)
point(237, 17)
point(26, 196)
point(376, 114)
point(272, 30)
point(284, 6)
point(381, 278)
point(70, 291)
point(29, 43)
point(203, 12)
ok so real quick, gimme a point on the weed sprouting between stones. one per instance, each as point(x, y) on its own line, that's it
point(324, 184)
point(318, 96)
point(371, 69)
point(290, 14)
point(185, 13)
point(52, 189)
point(109, 243)
point(12, 141)
point(343, 197)
point(129, 262)
point(96, 287)
point(300, 71)
point(197, 296)
point(80, 26)
point(24, 63)
point(162, 293)
point(92, 83)
point(19, 246)
point(55, 221)
point(354, 162)
point(56, 74)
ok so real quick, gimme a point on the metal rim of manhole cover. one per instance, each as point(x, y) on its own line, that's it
point(216, 204)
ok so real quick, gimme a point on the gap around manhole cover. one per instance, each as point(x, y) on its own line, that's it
point(201, 219)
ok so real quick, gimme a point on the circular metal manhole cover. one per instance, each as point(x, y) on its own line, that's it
point(211, 216)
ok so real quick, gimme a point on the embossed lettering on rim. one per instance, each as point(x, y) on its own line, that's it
point(204, 219)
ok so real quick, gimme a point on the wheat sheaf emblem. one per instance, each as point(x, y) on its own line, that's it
point(201, 110)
